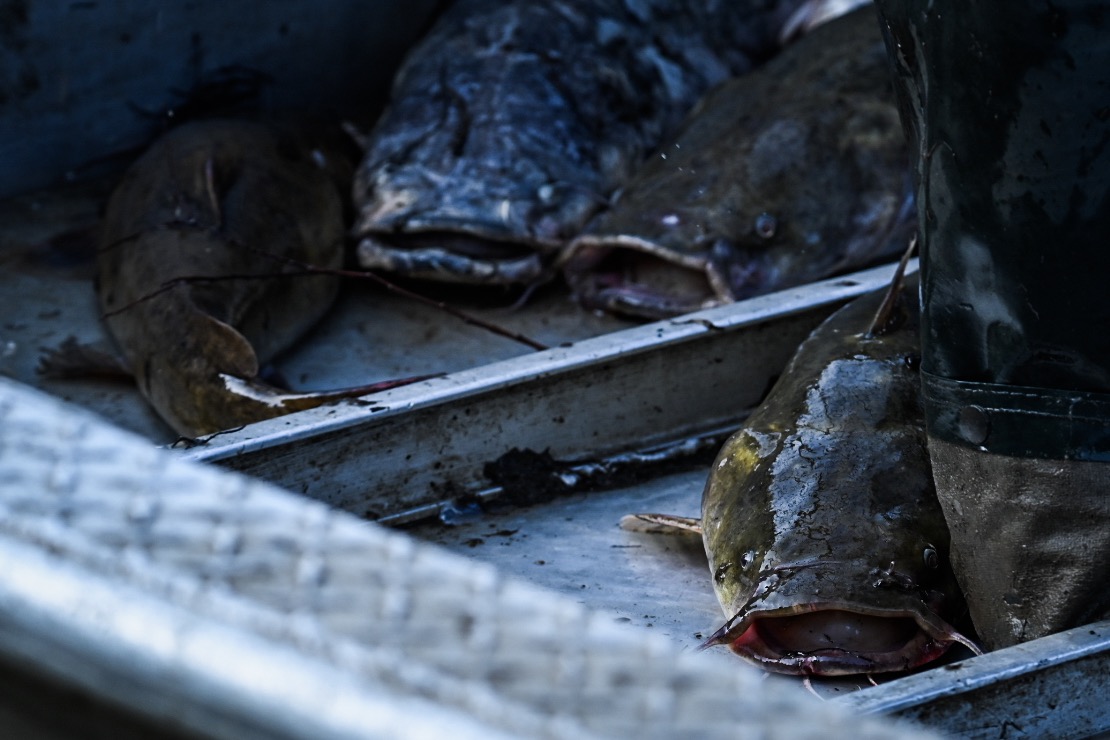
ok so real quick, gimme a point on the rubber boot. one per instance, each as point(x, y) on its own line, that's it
point(1007, 106)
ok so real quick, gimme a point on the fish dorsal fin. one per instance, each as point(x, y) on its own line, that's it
point(883, 317)
point(661, 524)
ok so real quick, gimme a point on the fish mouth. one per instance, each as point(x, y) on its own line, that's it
point(452, 257)
point(886, 622)
point(637, 278)
point(830, 640)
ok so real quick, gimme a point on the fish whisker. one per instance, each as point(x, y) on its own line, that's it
point(398, 290)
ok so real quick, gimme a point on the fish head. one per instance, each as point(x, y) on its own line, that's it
point(786, 627)
point(847, 595)
point(788, 174)
point(826, 542)
point(458, 226)
point(785, 209)
point(804, 205)
point(483, 172)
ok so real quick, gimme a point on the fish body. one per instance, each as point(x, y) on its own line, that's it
point(190, 268)
point(788, 174)
point(512, 122)
point(827, 545)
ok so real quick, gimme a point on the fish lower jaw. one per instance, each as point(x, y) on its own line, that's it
point(835, 642)
point(639, 282)
point(442, 264)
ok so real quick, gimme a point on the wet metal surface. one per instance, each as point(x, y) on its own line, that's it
point(574, 546)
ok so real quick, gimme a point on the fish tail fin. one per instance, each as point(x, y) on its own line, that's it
point(293, 401)
point(285, 402)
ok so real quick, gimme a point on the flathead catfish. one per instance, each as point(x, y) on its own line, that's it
point(512, 122)
point(192, 275)
point(782, 176)
point(826, 542)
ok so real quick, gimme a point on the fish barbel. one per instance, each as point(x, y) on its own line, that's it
point(200, 269)
point(788, 174)
point(826, 543)
point(512, 122)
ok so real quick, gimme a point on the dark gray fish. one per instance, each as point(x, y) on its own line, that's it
point(191, 276)
point(513, 121)
point(827, 545)
point(786, 175)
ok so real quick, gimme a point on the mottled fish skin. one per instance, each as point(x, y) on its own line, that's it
point(213, 199)
point(513, 121)
point(827, 545)
point(789, 174)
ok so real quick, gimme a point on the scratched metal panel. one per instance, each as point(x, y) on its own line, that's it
point(1052, 687)
point(76, 77)
point(413, 447)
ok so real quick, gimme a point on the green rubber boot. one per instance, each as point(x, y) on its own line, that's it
point(1008, 108)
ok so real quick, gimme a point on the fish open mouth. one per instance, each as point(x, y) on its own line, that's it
point(453, 257)
point(637, 278)
point(833, 641)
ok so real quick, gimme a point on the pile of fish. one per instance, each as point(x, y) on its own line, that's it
point(512, 123)
point(511, 126)
point(517, 144)
point(827, 546)
point(518, 138)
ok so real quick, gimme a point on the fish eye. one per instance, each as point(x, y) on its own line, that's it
point(913, 361)
point(747, 559)
point(766, 225)
point(721, 572)
point(931, 558)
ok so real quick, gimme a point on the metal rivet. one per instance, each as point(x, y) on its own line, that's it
point(973, 424)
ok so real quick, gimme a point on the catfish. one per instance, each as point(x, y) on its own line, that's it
point(826, 543)
point(786, 175)
point(201, 268)
point(512, 122)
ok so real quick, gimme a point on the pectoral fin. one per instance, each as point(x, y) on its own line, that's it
point(661, 524)
point(73, 359)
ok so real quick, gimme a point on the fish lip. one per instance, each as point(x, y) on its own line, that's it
point(415, 224)
point(428, 245)
point(582, 257)
point(933, 638)
point(646, 246)
point(753, 645)
point(905, 599)
point(444, 265)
